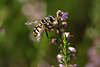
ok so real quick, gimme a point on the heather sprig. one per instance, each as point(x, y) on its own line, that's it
point(66, 49)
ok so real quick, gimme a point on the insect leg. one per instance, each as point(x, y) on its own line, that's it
point(46, 33)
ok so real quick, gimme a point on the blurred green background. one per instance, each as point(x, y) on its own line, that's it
point(18, 50)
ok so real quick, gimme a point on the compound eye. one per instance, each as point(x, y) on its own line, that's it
point(42, 21)
point(51, 19)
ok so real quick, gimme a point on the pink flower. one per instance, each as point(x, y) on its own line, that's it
point(64, 24)
point(67, 34)
point(75, 65)
point(62, 15)
point(53, 41)
point(61, 65)
point(72, 49)
point(60, 58)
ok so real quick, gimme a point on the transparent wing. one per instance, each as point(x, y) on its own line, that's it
point(32, 22)
point(38, 37)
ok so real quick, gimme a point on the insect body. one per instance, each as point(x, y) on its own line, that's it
point(43, 25)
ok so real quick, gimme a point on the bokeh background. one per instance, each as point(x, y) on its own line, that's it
point(18, 50)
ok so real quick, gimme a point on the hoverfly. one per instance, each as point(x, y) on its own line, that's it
point(44, 24)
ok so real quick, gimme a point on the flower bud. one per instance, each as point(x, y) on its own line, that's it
point(75, 65)
point(61, 65)
point(60, 58)
point(73, 56)
point(53, 41)
point(58, 13)
point(67, 34)
point(64, 24)
point(57, 31)
point(72, 49)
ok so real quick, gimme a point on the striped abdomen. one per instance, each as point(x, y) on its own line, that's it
point(37, 30)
